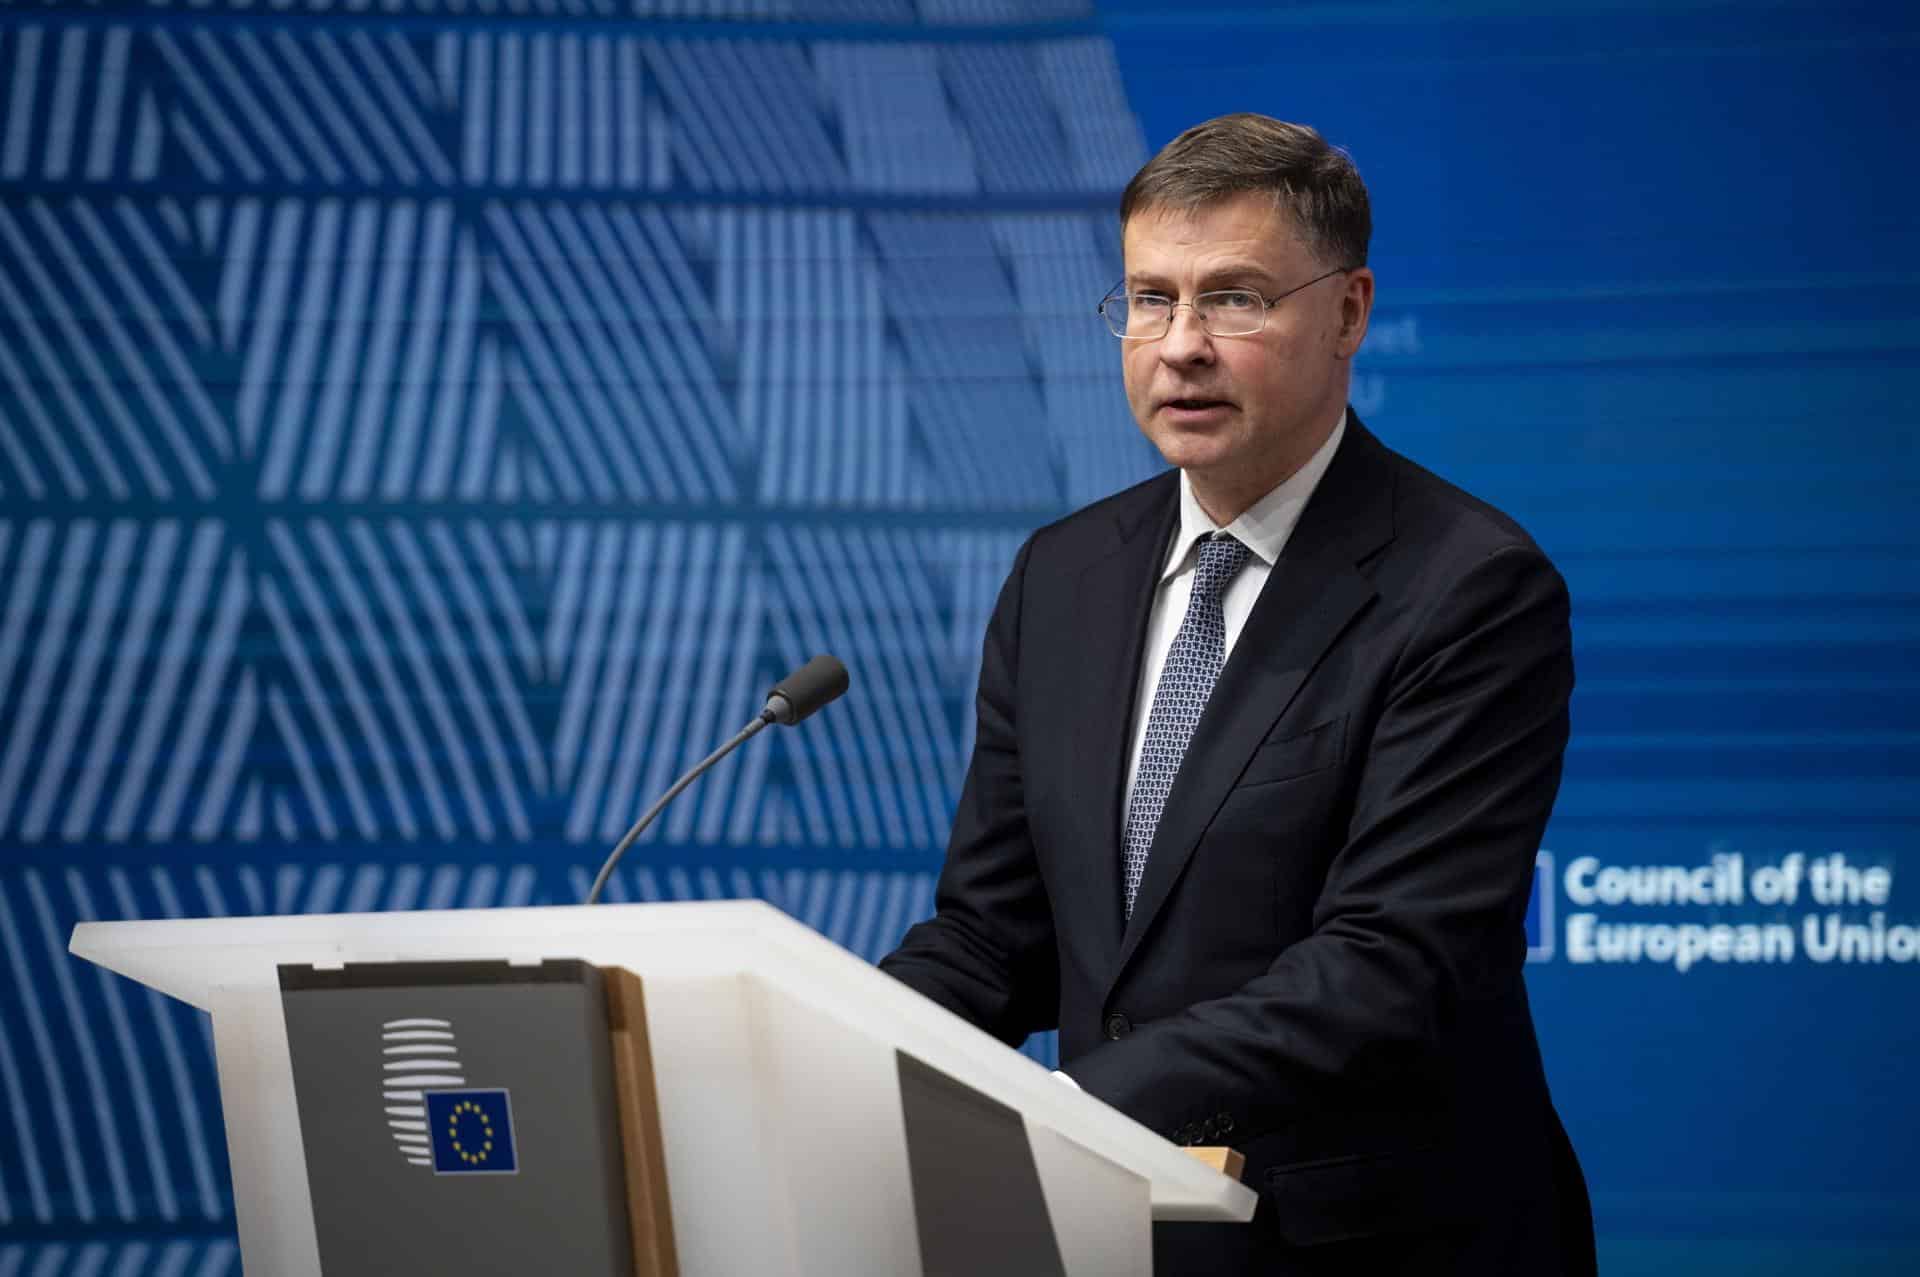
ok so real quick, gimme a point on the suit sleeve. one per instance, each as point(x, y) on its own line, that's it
point(988, 952)
point(1420, 916)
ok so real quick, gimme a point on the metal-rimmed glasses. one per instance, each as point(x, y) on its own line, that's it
point(1223, 312)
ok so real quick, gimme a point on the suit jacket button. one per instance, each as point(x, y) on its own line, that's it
point(1118, 1026)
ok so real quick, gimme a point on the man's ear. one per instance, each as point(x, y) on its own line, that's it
point(1356, 308)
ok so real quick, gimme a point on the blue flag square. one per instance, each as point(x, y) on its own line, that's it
point(1539, 920)
point(472, 1133)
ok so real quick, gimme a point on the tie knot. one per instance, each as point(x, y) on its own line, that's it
point(1220, 558)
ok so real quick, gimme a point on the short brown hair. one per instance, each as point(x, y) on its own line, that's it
point(1309, 177)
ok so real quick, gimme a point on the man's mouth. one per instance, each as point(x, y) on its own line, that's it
point(1195, 404)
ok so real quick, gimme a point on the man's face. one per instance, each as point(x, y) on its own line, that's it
point(1239, 414)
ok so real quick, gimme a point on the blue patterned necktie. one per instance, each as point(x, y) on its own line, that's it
point(1186, 680)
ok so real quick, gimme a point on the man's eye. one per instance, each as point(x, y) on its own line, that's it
point(1235, 301)
point(1150, 301)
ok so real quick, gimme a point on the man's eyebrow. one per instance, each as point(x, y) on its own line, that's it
point(1237, 273)
point(1230, 275)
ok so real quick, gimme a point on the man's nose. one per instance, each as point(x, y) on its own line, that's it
point(1186, 341)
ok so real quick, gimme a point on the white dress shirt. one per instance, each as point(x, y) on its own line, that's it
point(1264, 529)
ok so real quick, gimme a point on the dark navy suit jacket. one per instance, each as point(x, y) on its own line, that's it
point(1323, 966)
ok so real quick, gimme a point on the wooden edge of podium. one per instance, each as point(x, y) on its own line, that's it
point(1228, 1161)
point(649, 1210)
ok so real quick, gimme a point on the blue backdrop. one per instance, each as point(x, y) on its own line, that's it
point(413, 415)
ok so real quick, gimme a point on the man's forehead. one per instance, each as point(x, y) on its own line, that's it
point(1250, 229)
point(1251, 203)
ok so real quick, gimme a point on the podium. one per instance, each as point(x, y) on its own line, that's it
point(814, 1115)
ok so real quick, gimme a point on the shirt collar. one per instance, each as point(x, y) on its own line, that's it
point(1267, 523)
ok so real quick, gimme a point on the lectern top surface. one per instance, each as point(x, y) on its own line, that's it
point(214, 961)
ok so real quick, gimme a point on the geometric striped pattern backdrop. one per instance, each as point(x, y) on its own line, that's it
point(424, 433)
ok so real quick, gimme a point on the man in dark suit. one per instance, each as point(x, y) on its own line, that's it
point(1265, 750)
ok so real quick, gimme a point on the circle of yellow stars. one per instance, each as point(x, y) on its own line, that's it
point(469, 1156)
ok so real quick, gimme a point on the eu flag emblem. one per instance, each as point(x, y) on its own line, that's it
point(472, 1133)
point(1539, 920)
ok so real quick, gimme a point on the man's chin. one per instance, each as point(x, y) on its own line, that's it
point(1194, 449)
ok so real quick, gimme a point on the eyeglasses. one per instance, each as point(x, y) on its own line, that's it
point(1226, 312)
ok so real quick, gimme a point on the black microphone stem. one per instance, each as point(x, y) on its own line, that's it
point(606, 870)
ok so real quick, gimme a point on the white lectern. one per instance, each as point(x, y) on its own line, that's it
point(778, 1084)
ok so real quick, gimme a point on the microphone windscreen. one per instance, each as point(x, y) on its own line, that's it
point(800, 693)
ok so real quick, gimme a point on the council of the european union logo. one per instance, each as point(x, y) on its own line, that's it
point(472, 1133)
point(1539, 923)
point(418, 1052)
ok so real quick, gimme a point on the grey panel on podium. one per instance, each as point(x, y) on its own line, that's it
point(777, 1070)
point(458, 1117)
point(977, 1198)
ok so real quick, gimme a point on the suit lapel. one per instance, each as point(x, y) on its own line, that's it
point(1115, 591)
point(1313, 593)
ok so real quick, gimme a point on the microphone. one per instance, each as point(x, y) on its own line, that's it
point(793, 698)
